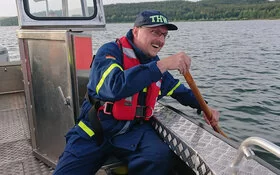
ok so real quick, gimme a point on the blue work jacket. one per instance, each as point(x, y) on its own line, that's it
point(108, 81)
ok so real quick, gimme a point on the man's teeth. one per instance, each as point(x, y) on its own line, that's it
point(155, 46)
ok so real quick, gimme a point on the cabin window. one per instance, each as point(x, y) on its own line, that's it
point(61, 9)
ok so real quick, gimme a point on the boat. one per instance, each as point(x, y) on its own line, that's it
point(40, 98)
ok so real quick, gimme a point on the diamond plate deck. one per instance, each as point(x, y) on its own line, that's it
point(205, 152)
point(16, 156)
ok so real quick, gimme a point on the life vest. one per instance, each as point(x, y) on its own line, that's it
point(126, 109)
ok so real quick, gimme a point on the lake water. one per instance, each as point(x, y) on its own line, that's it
point(235, 64)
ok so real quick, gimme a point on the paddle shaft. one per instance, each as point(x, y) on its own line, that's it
point(202, 102)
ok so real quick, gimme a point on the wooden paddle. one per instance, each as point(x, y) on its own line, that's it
point(201, 102)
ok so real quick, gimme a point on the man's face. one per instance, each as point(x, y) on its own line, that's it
point(150, 39)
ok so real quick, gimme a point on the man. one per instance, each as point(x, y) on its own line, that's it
point(126, 79)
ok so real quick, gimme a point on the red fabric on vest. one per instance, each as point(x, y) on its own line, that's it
point(125, 109)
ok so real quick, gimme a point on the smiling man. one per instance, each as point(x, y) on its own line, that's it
point(126, 79)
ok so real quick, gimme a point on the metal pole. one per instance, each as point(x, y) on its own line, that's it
point(244, 149)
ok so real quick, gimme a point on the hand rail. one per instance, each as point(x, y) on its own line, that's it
point(245, 150)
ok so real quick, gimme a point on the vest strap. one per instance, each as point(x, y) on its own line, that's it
point(94, 121)
point(107, 108)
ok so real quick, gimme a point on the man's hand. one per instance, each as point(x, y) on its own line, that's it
point(215, 117)
point(180, 61)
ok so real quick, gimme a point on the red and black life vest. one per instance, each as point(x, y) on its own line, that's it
point(125, 109)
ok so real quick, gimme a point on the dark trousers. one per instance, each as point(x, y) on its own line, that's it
point(83, 156)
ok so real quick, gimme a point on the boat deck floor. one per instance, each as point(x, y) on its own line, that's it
point(16, 155)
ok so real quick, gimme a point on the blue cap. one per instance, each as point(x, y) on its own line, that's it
point(153, 18)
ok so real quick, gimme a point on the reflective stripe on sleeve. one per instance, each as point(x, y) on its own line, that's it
point(85, 128)
point(105, 74)
point(173, 89)
point(145, 89)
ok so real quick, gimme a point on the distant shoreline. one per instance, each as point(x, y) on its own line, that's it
point(185, 11)
point(172, 21)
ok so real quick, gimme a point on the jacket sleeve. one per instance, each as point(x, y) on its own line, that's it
point(174, 88)
point(108, 81)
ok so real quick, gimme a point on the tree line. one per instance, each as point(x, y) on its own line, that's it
point(181, 10)
point(177, 10)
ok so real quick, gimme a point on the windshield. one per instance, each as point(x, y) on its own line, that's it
point(61, 9)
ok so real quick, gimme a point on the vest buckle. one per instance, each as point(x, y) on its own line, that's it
point(151, 113)
point(108, 108)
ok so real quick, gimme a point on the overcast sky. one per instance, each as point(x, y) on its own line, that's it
point(8, 7)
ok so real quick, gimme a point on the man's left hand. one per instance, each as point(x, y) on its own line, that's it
point(215, 117)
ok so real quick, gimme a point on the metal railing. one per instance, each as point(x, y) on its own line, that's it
point(245, 150)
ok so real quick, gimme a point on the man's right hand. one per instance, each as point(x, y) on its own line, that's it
point(179, 61)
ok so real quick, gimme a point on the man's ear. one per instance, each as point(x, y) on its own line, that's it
point(135, 31)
